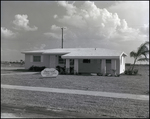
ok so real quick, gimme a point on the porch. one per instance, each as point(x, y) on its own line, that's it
point(76, 66)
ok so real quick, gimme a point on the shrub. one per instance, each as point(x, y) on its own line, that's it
point(36, 68)
point(106, 74)
point(61, 70)
point(117, 75)
point(125, 72)
point(99, 74)
point(130, 72)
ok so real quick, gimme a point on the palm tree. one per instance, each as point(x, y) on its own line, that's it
point(141, 51)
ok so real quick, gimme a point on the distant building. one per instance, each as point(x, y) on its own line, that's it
point(82, 60)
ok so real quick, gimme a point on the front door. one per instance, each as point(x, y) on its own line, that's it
point(108, 66)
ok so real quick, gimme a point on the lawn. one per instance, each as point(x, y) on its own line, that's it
point(138, 84)
point(86, 105)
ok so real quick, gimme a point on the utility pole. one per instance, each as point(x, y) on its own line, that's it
point(62, 37)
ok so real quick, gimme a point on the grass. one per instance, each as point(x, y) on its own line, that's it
point(136, 84)
point(100, 106)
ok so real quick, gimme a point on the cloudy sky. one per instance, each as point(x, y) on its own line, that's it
point(34, 25)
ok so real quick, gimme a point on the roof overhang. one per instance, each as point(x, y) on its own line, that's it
point(31, 52)
point(90, 57)
point(55, 53)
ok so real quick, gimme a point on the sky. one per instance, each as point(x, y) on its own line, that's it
point(35, 25)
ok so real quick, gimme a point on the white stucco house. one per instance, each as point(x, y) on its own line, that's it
point(83, 60)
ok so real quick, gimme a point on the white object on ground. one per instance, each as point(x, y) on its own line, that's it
point(49, 72)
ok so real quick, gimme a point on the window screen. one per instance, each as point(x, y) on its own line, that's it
point(108, 61)
point(86, 60)
point(36, 58)
point(61, 61)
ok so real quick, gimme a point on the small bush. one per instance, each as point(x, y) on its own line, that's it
point(117, 75)
point(130, 72)
point(36, 68)
point(99, 74)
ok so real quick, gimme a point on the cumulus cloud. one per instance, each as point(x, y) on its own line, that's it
point(54, 27)
point(145, 29)
point(55, 16)
point(7, 33)
point(71, 9)
point(53, 35)
point(135, 12)
point(22, 22)
point(95, 23)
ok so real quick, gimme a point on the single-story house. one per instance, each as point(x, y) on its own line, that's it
point(82, 60)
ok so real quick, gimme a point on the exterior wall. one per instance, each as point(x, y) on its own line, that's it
point(122, 64)
point(52, 61)
point(93, 67)
point(118, 66)
point(29, 61)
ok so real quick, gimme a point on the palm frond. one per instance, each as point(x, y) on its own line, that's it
point(143, 59)
point(133, 54)
point(142, 48)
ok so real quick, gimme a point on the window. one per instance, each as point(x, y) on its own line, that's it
point(86, 60)
point(36, 58)
point(108, 61)
point(61, 61)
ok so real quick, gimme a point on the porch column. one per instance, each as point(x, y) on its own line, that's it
point(113, 66)
point(103, 66)
point(75, 66)
point(68, 65)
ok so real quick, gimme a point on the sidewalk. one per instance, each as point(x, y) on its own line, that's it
point(79, 92)
point(8, 68)
point(22, 73)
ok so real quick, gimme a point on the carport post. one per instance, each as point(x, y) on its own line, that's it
point(75, 66)
point(68, 65)
point(113, 66)
point(103, 66)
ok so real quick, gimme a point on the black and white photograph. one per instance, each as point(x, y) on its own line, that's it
point(75, 59)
